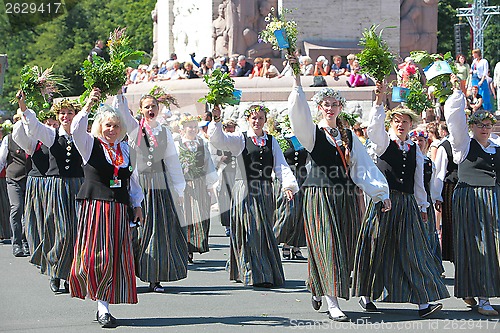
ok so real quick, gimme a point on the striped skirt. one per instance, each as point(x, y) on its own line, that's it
point(103, 266)
point(224, 195)
point(432, 235)
point(60, 228)
point(447, 221)
point(288, 218)
point(255, 257)
point(162, 252)
point(5, 231)
point(477, 241)
point(35, 209)
point(197, 215)
point(331, 218)
point(393, 261)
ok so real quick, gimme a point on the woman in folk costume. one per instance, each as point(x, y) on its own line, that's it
point(35, 208)
point(199, 172)
point(65, 176)
point(288, 217)
point(162, 251)
point(103, 267)
point(393, 261)
point(255, 258)
point(331, 211)
point(421, 138)
point(476, 204)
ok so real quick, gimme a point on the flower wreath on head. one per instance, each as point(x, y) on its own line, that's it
point(66, 104)
point(416, 133)
point(328, 92)
point(188, 119)
point(479, 116)
point(256, 108)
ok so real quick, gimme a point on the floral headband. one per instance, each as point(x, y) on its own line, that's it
point(328, 92)
point(257, 109)
point(66, 104)
point(188, 119)
point(423, 134)
point(480, 116)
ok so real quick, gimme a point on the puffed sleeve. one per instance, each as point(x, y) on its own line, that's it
point(379, 138)
point(233, 142)
point(454, 112)
point(120, 103)
point(37, 130)
point(441, 163)
point(84, 142)
point(282, 169)
point(173, 165)
point(365, 174)
point(418, 188)
point(211, 174)
point(301, 119)
point(22, 138)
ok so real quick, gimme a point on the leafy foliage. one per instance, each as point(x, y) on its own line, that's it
point(349, 118)
point(221, 88)
point(189, 163)
point(163, 97)
point(417, 98)
point(375, 59)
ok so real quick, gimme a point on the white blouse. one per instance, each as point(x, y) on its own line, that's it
point(173, 166)
point(21, 137)
point(364, 173)
point(84, 143)
point(235, 143)
point(41, 132)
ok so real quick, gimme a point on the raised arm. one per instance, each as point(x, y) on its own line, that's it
point(82, 139)
point(36, 129)
point(22, 138)
point(376, 128)
point(120, 103)
point(454, 112)
point(300, 116)
point(232, 142)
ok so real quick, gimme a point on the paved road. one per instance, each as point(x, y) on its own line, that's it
point(208, 302)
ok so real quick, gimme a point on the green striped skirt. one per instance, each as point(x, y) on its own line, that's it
point(5, 231)
point(432, 234)
point(477, 241)
point(331, 219)
point(394, 262)
point(255, 257)
point(103, 266)
point(61, 226)
point(163, 251)
point(288, 218)
point(197, 215)
point(447, 221)
point(35, 211)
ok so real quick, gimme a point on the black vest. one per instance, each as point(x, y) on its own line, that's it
point(18, 165)
point(258, 162)
point(39, 161)
point(297, 160)
point(64, 159)
point(327, 167)
point(399, 167)
point(230, 170)
point(98, 173)
point(479, 167)
point(149, 157)
point(427, 174)
point(452, 167)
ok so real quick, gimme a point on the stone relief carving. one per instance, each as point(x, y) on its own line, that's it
point(220, 34)
point(418, 26)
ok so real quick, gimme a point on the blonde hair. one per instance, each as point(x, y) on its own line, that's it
point(106, 112)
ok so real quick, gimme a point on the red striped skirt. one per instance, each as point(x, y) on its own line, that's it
point(103, 266)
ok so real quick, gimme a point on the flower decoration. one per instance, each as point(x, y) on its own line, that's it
point(256, 108)
point(349, 118)
point(328, 92)
point(416, 133)
point(407, 70)
point(40, 86)
point(163, 97)
point(221, 89)
point(287, 31)
point(6, 127)
point(110, 76)
point(66, 103)
point(280, 131)
point(189, 118)
point(480, 116)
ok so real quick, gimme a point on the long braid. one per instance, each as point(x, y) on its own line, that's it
point(345, 140)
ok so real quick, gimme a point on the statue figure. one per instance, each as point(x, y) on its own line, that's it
point(220, 33)
point(418, 26)
point(154, 17)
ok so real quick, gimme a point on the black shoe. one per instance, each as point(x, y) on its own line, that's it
point(348, 84)
point(369, 307)
point(156, 287)
point(316, 304)
point(66, 287)
point(106, 320)
point(54, 284)
point(190, 258)
point(228, 231)
point(17, 251)
point(286, 253)
point(26, 249)
point(432, 308)
point(341, 318)
point(297, 255)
